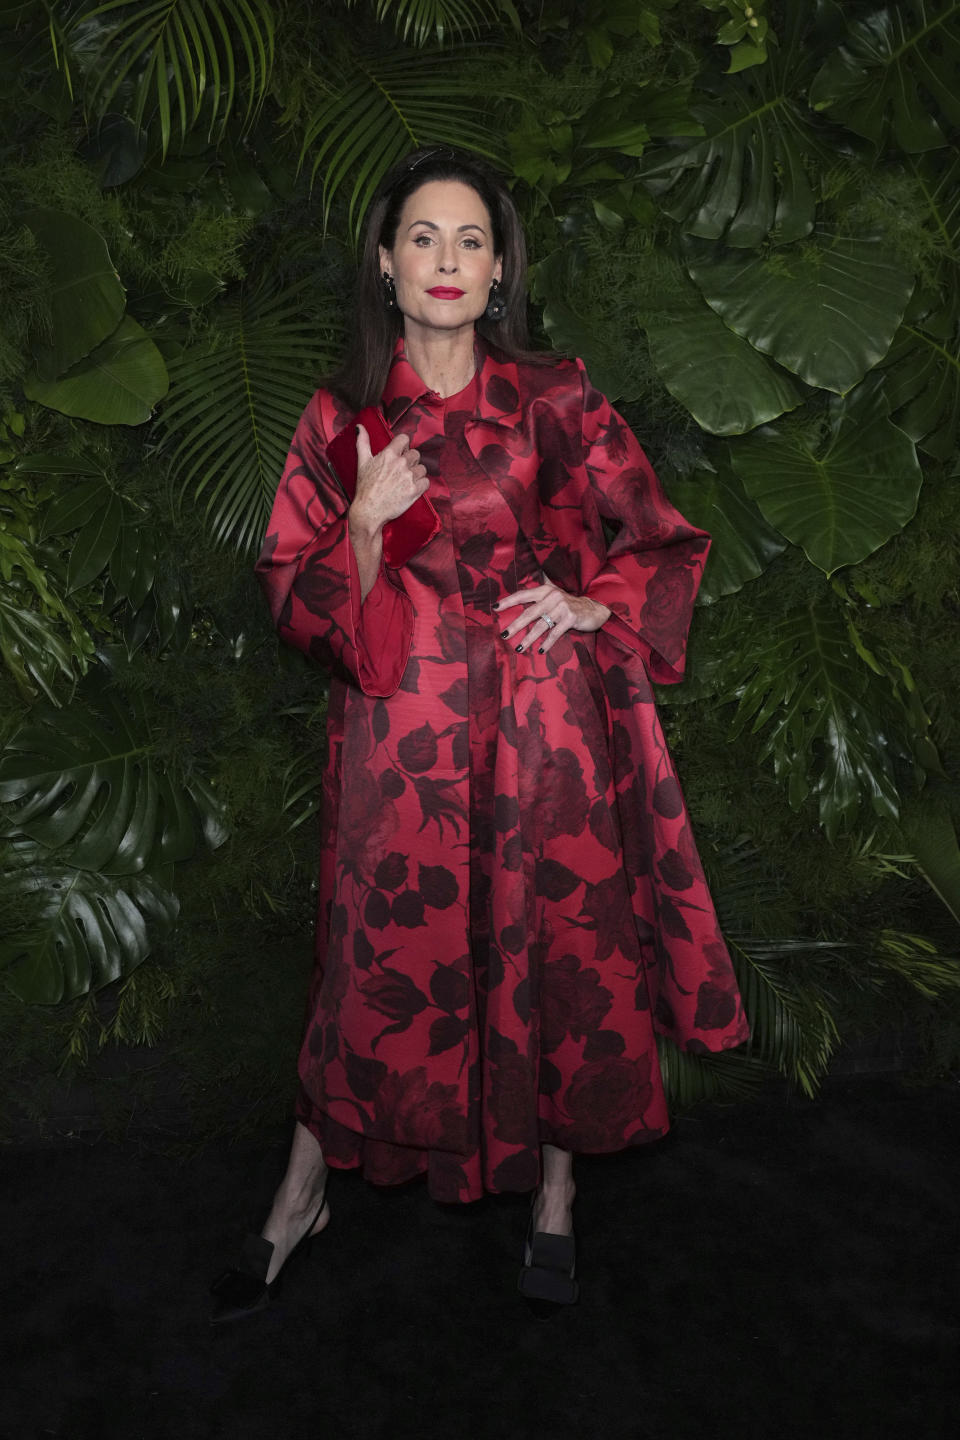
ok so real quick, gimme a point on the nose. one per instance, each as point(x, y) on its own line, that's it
point(447, 260)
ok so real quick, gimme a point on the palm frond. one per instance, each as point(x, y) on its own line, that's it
point(793, 1028)
point(300, 789)
point(423, 20)
point(787, 1003)
point(917, 962)
point(60, 44)
point(389, 106)
point(235, 399)
point(179, 58)
point(689, 1079)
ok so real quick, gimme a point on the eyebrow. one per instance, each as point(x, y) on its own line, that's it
point(460, 228)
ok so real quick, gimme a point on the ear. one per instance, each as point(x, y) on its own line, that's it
point(386, 261)
point(498, 268)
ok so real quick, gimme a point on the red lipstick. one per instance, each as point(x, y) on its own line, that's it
point(445, 292)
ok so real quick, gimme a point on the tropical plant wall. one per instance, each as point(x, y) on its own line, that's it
point(745, 218)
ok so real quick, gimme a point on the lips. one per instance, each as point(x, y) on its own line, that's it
point(445, 292)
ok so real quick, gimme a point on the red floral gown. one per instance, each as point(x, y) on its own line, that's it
point(511, 899)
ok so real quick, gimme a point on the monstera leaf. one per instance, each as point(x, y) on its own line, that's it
point(743, 543)
point(83, 930)
point(87, 299)
point(747, 178)
point(923, 379)
point(896, 77)
point(236, 396)
point(88, 781)
point(118, 383)
point(840, 495)
point(386, 107)
point(721, 379)
point(182, 58)
point(831, 721)
point(826, 309)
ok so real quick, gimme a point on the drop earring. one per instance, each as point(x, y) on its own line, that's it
point(496, 305)
point(389, 291)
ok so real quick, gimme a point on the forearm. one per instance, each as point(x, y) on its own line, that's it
point(367, 542)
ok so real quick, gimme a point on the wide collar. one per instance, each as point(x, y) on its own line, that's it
point(497, 394)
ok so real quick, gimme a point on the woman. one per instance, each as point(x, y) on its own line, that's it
point(511, 901)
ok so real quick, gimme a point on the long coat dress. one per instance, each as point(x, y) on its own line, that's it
point(511, 901)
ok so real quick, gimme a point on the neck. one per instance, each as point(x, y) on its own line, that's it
point(444, 360)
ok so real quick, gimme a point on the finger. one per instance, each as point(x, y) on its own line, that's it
point(529, 617)
point(399, 443)
point(363, 446)
point(552, 635)
point(543, 630)
point(523, 597)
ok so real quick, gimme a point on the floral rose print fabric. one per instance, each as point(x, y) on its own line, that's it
point(511, 901)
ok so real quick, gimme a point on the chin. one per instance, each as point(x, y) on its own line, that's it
point(446, 320)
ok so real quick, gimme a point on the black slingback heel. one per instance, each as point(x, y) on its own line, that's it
point(548, 1277)
point(243, 1289)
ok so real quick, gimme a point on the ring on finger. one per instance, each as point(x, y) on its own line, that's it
point(548, 622)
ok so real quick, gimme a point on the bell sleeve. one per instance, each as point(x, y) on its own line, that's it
point(654, 564)
point(308, 573)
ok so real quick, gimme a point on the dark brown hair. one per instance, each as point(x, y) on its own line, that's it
point(366, 364)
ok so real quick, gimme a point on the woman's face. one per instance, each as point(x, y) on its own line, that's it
point(442, 258)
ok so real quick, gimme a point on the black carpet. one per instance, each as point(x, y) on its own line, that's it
point(781, 1269)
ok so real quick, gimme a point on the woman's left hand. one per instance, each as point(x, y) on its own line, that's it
point(549, 602)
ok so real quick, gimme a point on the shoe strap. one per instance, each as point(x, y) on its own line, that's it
point(554, 1252)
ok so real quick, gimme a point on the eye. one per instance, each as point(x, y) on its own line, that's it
point(424, 236)
point(472, 242)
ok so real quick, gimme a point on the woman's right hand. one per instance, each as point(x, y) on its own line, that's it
point(387, 483)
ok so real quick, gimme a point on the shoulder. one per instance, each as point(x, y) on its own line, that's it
point(557, 373)
point(564, 387)
point(552, 379)
point(324, 415)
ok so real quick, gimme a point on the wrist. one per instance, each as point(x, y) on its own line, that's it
point(362, 528)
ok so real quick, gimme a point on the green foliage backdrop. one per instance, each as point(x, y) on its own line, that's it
point(744, 217)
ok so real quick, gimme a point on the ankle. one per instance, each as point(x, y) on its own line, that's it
point(562, 1190)
point(301, 1199)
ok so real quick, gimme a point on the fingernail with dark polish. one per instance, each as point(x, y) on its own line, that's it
point(540, 650)
point(504, 634)
point(519, 649)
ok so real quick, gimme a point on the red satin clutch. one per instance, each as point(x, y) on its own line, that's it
point(403, 537)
